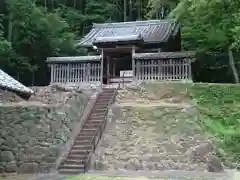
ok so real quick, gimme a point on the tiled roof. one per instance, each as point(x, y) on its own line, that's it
point(151, 31)
point(8, 83)
point(165, 55)
point(72, 59)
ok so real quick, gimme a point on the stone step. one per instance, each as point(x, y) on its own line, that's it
point(107, 92)
point(109, 89)
point(89, 121)
point(76, 156)
point(106, 96)
point(104, 99)
point(100, 106)
point(86, 133)
point(71, 166)
point(71, 171)
point(84, 138)
point(77, 151)
point(101, 103)
point(91, 125)
point(82, 143)
point(88, 129)
point(82, 147)
point(94, 121)
point(99, 110)
point(96, 114)
point(73, 161)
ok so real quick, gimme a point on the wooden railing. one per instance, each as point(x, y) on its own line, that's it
point(75, 72)
point(98, 135)
point(169, 69)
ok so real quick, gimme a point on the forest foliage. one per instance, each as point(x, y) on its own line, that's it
point(32, 30)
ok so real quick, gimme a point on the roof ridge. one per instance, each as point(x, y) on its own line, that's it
point(129, 23)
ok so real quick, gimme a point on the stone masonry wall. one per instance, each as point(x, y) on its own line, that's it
point(32, 133)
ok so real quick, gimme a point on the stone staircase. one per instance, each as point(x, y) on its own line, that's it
point(85, 143)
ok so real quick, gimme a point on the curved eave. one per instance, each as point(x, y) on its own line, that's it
point(10, 84)
point(23, 94)
point(132, 42)
point(136, 42)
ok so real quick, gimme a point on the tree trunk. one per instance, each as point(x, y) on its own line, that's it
point(130, 10)
point(125, 10)
point(139, 9)
point(10, 27)
point(233, 66)
point(74, 4)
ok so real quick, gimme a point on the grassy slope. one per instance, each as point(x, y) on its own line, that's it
point(220, 117)
point(219, 107)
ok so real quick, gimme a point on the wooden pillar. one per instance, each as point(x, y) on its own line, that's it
point(68, 73)
point(102, 54)
point(114, 67)
point(133, 63)
point(190, 69)
point(52, 70)
point(138, 70)
point(108, 69)
point(88, 72)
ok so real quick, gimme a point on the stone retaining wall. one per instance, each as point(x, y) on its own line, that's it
point(33, 133)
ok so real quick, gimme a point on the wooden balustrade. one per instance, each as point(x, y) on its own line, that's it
point(75, 72)
point(143, 70)
point(167, 69)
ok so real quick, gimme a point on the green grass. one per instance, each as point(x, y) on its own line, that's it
point(219, 107)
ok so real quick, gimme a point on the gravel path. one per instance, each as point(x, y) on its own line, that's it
point(135, 175)
point(169, 174)
point(53, 176)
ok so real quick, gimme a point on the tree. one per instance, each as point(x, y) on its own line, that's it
point(159, 9)
point(37, 34)
point(210, 27)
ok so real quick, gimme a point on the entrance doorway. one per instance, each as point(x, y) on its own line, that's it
point(114, 64)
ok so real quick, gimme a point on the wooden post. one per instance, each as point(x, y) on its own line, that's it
point(138, 70)
point(88, 72)
point(108, 69)
point(102, 69)
point(190, 69)
point(133, 64)
point(52, 66)
point(114, 67)
point(68, 73)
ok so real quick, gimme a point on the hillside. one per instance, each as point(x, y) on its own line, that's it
point(174, 126)
point(160, 123)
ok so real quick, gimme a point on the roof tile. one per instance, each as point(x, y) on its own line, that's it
point(151, 31)
point(9, 83)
